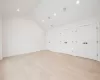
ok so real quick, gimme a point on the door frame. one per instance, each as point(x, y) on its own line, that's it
point(0, 37)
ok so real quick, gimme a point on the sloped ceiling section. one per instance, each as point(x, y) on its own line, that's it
point(54, 13)
point(20, 8)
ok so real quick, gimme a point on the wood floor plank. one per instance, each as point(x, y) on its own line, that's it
point(47, 65)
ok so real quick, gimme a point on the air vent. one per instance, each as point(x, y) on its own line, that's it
point(64, 9)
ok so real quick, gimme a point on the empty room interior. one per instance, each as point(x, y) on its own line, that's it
point(49, 39)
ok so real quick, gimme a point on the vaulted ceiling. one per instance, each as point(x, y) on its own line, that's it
point(51, 13)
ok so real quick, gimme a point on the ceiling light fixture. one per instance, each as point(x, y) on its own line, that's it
point(54, 14)
point(78, 2)
point(18, 10)
point(42, 20)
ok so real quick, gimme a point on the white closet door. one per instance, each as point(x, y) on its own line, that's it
point(99, 42)
point(0, 38)
point(67, 45)
point(87, 42)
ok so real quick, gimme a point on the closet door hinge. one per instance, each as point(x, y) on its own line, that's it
point(96, 27)
point(97, 54)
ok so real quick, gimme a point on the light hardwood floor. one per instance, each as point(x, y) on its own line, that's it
point(47, 65)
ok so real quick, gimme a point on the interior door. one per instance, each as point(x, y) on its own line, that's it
point(86, 42)
point(98, 42)
point(0, 38)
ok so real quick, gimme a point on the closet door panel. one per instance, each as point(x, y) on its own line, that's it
point(0, 37)
point(99, 42)
point(86, 42)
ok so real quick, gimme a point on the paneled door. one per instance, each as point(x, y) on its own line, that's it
point(86, 42)
point(98, 41)
point(67, 41)
point(0, 38)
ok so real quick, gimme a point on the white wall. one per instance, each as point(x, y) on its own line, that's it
point(74, 34)
point(21, 36)
point(0, 37)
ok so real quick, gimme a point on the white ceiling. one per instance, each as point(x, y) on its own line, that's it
point(18, 7)
point(50, 13)
point(76, 10)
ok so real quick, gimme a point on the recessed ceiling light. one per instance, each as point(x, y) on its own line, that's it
point(78, 2)
point(42, 20)
point(18, 10)
point(54, 14)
